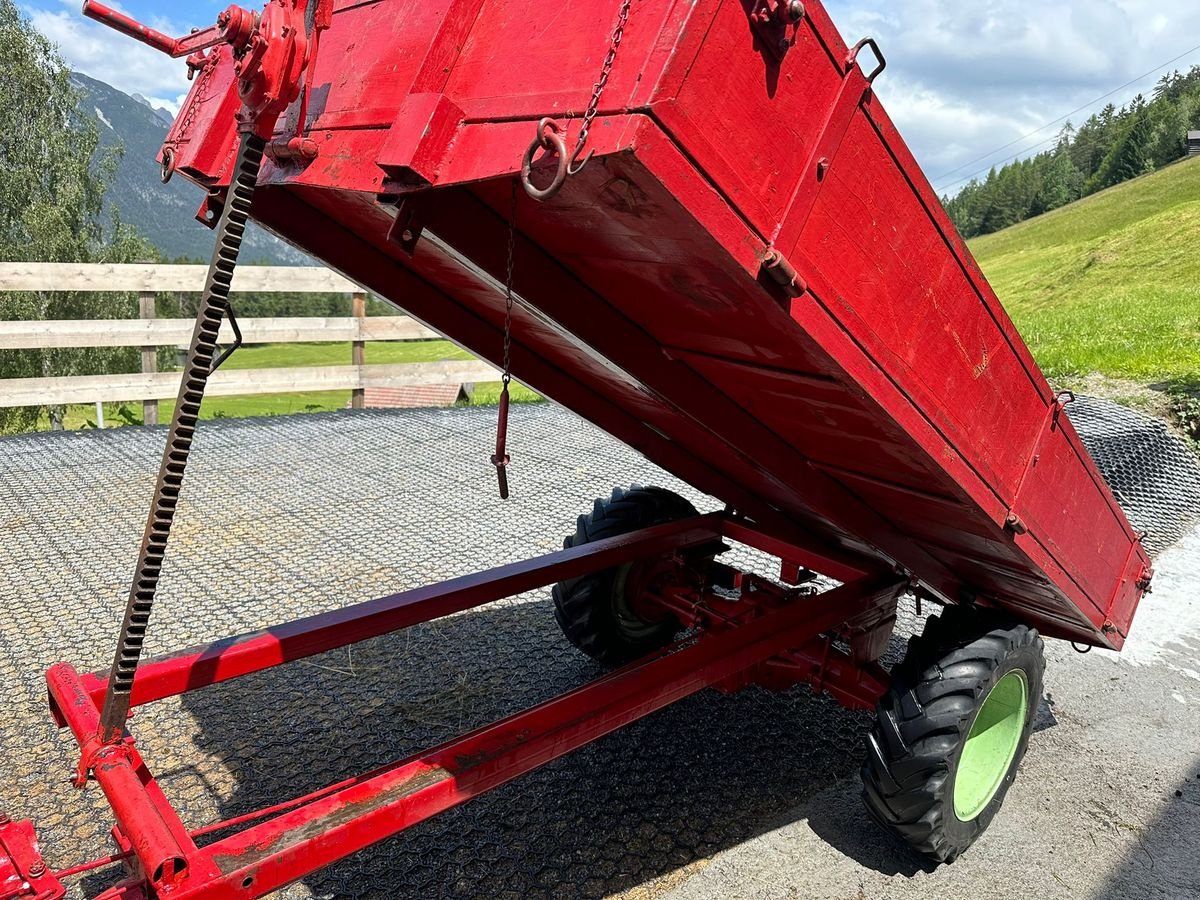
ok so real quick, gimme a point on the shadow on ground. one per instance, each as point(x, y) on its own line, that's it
point(1163, 864)
point(664, 793)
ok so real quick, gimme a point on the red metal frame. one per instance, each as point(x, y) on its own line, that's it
point(776, 309)
point(771, 635)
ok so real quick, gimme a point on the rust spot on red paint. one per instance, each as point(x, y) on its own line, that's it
point(346, 812)
point(983, 365)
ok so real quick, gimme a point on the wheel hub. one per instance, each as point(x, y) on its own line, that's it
point(991, 745)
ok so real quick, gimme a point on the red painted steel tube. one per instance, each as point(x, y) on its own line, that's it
point(164, 43)
point(737, 530)
point(274, 853)
point(157, 835)
point(236, 656)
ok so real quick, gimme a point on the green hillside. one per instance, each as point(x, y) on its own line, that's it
point(1111, 284)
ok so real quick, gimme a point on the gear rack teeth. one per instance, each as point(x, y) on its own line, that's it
point(214, 307)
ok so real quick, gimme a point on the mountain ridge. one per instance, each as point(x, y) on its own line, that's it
point(164, 214)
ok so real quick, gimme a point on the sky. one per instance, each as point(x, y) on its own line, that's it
point(965, 78)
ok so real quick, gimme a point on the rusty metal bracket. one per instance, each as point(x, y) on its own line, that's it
point(771, 20)
point(409, 223)
point(776, 266)
point(881, 60)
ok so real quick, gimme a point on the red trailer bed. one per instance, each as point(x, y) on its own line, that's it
point(881, 400)
point(752, 284)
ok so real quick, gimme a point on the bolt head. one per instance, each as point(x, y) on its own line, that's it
point(795, 10)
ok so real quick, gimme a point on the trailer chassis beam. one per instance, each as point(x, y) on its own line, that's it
point(771, 635)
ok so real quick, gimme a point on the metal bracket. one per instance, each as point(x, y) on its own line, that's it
point(23, 872)
point(1012, 521)
point(407, 227)
point(771, 20)
point(854, 94)
point(881, 64)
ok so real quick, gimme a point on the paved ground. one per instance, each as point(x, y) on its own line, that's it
point(751, 795)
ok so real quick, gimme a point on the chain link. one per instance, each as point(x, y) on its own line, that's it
point(508, 287)
point(598, 88)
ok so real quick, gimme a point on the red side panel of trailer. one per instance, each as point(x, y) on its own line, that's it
point(881, 402)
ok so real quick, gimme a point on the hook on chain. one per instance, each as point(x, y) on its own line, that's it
point(574, 167)
point(551, 139)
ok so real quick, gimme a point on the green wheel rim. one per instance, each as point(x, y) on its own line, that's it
point(991, 745)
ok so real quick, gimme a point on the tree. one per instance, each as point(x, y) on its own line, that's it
point(1130, 154)
point(1112, 146)
point(1062, 183)
point(52, 184)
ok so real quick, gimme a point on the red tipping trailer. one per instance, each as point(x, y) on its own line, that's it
point(693, 224)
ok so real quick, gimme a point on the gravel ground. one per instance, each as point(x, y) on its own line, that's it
point(749, 795)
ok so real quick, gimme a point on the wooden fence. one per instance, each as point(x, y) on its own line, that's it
point(148, 332)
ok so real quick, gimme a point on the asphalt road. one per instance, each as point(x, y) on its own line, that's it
point(751, 795)
point(1106, 807)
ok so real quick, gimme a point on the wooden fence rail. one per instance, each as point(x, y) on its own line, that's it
point(236, 382)
point(45, 335)
point(150, 333)
point(105, 278)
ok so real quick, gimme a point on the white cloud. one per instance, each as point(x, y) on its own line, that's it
point(108, 56)
point(170, 105)
point(967, 76)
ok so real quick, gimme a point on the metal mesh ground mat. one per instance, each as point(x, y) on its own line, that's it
point(286, 517)
point(1154, 474)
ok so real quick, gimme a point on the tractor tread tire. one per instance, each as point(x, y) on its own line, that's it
point(923, 721)
point(583, 606)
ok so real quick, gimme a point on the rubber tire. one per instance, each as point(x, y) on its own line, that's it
point(923, 721)
point(586, 607)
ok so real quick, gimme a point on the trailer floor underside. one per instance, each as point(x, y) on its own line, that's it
point(293, 516)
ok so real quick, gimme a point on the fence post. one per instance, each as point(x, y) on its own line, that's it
point(358, 309)
point(149, 357)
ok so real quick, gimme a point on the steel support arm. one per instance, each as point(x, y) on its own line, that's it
point(236, 656)
point(280, 850)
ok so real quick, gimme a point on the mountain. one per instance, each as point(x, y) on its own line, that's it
point(1111, 283)
point(162, 213)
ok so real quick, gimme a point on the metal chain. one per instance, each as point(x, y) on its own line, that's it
point(551, 137)
point(508, 287)
point(598, 88)
point(501, 459)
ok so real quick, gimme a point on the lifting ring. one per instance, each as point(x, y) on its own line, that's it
point(168, 165)
point(549, 138)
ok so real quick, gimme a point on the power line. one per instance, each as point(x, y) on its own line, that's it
point(1047, 142)
point(1036, 131)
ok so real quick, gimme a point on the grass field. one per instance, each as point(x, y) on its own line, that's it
point(1109, 285)
point(268, 356)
